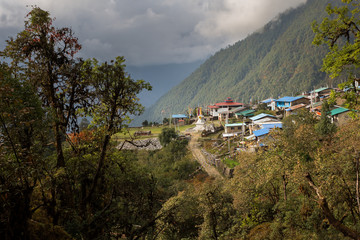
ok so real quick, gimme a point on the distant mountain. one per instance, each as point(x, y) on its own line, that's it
point(277, 60)
point(161, 77)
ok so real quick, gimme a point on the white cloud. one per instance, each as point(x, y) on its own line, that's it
point(151, 31)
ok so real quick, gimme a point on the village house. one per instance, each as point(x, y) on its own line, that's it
point(238, 109)
point(245, 113)
point(286, 102)
point(315, 108)
point(258, 120)
point(320, 93)
point(179, 119)
point(270, 103)
point(339, 116)
point(264, 130)
point(263, 117)
point(234, 129)
point(294, 109)
point(223, 109)
point(262, 133)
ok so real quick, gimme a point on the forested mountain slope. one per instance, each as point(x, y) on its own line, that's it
point(277, 60)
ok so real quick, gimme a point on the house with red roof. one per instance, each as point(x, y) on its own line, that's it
point(222, 109)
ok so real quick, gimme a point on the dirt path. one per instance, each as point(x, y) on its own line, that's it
point(196, 151)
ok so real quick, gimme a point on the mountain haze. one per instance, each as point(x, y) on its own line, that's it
point(277, 60)
point(161, 77)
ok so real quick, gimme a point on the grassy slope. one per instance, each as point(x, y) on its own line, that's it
point(155, 131)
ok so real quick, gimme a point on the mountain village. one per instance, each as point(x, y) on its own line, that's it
point(231, 127)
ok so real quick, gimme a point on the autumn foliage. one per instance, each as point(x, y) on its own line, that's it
point(83, 137)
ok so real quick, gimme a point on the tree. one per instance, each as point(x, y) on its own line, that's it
point(114, 98)
point(22, 148)
point(45, 57)
point(145, 123)
point(342, 35)
point(167, 135)
point(180, 217)
point(262, 106)
point(43, 92)
point(165, 121)
point(324, 127)
point(341, 32)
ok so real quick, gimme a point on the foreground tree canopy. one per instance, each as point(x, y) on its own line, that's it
point(44, 173)
point(341, 32)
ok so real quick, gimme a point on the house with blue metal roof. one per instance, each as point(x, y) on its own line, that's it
point(269, 100)
point(262, 132)
point(286, 102)
point(265, 130)
point(263, 117)
point(260, 119)
point(179, 119)
point(179, 116)
point(270, 103)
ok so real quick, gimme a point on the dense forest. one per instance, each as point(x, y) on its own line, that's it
point(277, 60)
point(62, 177)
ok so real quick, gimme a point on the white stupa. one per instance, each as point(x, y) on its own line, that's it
point(200, 124)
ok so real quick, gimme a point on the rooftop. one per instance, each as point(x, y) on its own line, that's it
point(238, 109)
point(178, 116)
point(297, 106)
point(317, 104)
point(266, 129)
point(261, 115)
point(320, 89)
point(261, 132)
point(212, 106)
point(245, 112)
point(228, 102)
point(234, 124)
point(269, 100)
point(339, 110)
point(288, 99)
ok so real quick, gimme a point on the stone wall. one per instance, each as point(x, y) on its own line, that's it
point(215, 161)
point(223, 169)
point(149, 144)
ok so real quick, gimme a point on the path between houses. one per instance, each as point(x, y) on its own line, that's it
point(196, 151)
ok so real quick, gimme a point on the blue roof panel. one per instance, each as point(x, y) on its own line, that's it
point(261, 132)
point(269, 100)
point(287, 99)
point(179, 116)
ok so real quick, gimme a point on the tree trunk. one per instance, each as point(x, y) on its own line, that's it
point(284, 186)
point(17, 226)
point(338, 225)
point(357, 183)
point(58, 144)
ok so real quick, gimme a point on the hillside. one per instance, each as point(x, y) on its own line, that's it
point(277, 60)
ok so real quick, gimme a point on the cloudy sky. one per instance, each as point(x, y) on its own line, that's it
point(149, 32)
